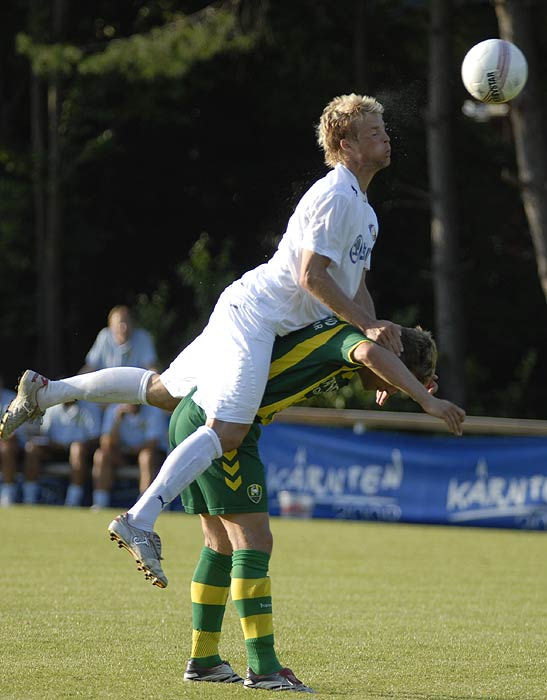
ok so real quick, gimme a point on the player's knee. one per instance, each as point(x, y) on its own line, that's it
point(230, 443)
point(266, 541)
point(231, 435)
point(158, 396)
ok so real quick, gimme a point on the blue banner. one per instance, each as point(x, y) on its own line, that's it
point(335, 473)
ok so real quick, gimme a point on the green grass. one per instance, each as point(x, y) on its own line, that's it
point(361, 611)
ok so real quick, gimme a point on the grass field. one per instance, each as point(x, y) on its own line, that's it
point(361, 611)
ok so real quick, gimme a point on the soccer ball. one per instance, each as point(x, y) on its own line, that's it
point(494, 71)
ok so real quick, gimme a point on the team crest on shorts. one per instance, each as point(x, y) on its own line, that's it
point(254, 491)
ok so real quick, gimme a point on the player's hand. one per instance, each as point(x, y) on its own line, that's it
point(387, 334)
point(432, 386)
point(452, 415)
point(382, 396)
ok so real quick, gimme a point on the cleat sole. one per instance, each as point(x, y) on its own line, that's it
point(148, 575)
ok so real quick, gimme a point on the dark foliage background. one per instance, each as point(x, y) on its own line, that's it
point(220, 156)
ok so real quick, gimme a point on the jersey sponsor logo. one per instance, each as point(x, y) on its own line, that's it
point(328, 322)
point(331, 384)
point(254, 492)
point(359, 251)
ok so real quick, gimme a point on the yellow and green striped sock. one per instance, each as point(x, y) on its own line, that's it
point(209, 591)
point(251, 593)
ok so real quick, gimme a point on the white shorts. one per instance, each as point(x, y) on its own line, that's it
point(181, 375)
point(229, 362)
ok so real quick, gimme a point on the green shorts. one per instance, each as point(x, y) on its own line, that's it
point(235, 483)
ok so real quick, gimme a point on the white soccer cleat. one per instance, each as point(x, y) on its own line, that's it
point(24, 406)
point(281, 680)
point(223, 673)
point(144, 547)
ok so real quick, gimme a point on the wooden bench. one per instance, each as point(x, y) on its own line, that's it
point(62, 469)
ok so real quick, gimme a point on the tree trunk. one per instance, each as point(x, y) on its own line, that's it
point(51, 277)
point(39, 200)
point(449, 325)
point(517, 20)
point(52, 267)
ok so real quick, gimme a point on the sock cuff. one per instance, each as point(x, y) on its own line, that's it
point(213, 568)
point(250, 563)
point(205, 430)
point(223, 561)
point(143, 385)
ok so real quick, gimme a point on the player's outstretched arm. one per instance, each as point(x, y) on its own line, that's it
point(452, 415)
point(387, 366)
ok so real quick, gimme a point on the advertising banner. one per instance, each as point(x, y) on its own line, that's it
point(335, 473)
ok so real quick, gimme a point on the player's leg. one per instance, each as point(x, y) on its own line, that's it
point(230, 393)
point(234, 482)
point(158, 395)
point(234, 488)
point(144, 544)
point(181, 466)
point(252, 541)
point(36, 393)
point(209, 591)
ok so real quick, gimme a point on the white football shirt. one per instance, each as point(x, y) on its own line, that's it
point(333, 219)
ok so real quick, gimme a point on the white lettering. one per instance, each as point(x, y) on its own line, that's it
point(370, 479)
point(516, 493)
point(323, 480)
point(536, 483)
point(393, 473)
point(495, 492)
point(455, 497)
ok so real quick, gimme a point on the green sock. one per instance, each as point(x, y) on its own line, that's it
point(251, 593)
point(209, 591)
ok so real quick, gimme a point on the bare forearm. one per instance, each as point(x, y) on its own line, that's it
point(364, 300)
point(314, 277)
point(323, 287)
point(389, 367)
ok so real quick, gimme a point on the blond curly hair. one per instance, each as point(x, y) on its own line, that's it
point(340, 119)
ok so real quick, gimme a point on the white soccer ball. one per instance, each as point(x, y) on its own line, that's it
point(494, 71)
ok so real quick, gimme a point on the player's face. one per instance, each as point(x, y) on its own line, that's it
point(120, 325)
point(372, 382)
point(371, 146)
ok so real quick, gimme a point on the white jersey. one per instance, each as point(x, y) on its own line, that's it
point(230, 360)
point(333, 219)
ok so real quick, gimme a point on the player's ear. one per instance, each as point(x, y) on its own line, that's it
point(346, 146)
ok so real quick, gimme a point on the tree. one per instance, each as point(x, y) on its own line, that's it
point(518, 22)
point(445, 244)
point(165, 52)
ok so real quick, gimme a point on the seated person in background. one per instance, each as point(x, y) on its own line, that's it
point(130, 433)
point(120, 344)
point(69, 432)
point(10, 450)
